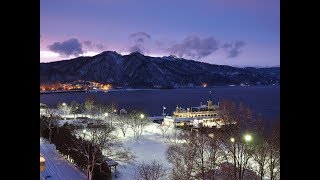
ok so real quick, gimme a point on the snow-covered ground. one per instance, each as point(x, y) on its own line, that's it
point(149, 147)
point(56, 166)
point(152, 145)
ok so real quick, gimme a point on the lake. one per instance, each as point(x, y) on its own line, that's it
point(262, 99)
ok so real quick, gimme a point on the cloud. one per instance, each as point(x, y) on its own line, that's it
point(194, 47)
point(138, 48)
point(139, 41)
point(234, 49)
point(100, 46)
point(92, 45)
point(67, 48)
point(140, 37)
point(163, 44)
point(87, 43)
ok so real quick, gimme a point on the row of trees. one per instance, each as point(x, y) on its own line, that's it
point(90, 108)
point(134, 120)
point(49, 123)
point(242, 149)
point(88, 147)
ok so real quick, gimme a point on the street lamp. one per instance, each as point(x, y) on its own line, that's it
point(64, 109)
point(42, 163)
point(247, 137)
point(232, 140)
point(106, 114)
point(141, 116)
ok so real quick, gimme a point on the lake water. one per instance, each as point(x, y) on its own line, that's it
point(262, 99)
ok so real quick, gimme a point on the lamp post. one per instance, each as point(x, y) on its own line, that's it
point(247, 137)
point(141, 116)
point(64, 109)
point(232, 140)
point(105, 117)
point(84, 131)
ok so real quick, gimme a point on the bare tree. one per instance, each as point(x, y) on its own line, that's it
point(74, 108)
point(196, 156)
point(182, 157)
point(213, 153)
point(89, 105)
point(260, 147)
point(101, 110)
point(274, 152)
point(96, 143)
point(163, 128)
point(199, 139)
point(138, 121)
point(237, 150)
point(49, 122)
point(123, 124)
point(63, 108)
point(150, 171)
point(229, 152)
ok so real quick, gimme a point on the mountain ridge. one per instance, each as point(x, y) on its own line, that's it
point(137, 70)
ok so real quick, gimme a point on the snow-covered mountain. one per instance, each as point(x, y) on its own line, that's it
point(136, 70)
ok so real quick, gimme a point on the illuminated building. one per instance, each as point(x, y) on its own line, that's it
point(203, 115)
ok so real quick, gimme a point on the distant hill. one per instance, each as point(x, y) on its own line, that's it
point(139, 71)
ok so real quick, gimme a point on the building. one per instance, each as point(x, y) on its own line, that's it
point(43, 109)
point(200, 116)
point(123, 111)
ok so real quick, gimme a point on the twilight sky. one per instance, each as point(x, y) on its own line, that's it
point(231, 32)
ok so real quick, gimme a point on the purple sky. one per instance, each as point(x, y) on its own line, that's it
point(231, 32)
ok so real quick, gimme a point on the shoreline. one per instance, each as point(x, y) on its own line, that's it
point(152, 89)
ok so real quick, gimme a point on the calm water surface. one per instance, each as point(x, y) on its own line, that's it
point(262, 99)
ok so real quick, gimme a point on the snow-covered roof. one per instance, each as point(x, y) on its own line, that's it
point(184, 119)
point(110, 162)
point(200, 107)
point(204, 106)
point(42, 105)
point(207, 117)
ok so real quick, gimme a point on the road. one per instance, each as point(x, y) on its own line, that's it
point(57, 168)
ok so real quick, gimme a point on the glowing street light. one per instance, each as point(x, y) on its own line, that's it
point(115, 110)
point(42, 163)
point(64, 104)
point(247, 137)
point(232, 140)
point(106, 114)
point(141, 116)
point(84, 131)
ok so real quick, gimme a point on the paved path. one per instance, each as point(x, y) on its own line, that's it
point(56, 166)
